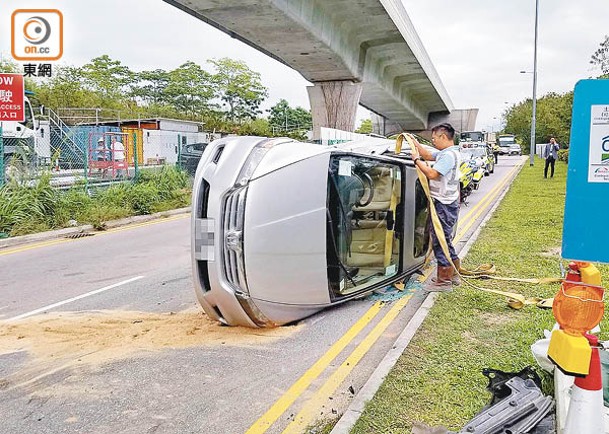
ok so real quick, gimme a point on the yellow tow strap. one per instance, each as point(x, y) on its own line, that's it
point(484, 271)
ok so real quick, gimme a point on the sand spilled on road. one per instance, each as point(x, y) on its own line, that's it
point(103, 336)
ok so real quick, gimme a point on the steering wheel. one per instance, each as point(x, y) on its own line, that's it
point(367, 184)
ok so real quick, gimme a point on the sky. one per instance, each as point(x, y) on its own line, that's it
point(478, 47)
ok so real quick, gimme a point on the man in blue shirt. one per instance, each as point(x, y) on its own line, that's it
point(444, 187)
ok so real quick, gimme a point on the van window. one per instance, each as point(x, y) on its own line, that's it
point(421, 219)
point(363, 241)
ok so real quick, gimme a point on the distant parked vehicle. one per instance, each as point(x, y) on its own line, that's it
point(505, 141)
point(515, 149)
point(190, 156)
point(471, 136)
point(20, 139)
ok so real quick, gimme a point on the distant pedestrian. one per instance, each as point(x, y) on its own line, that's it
point(118, 150)
point(550, 153)
point(100, 151)
point(101, 157)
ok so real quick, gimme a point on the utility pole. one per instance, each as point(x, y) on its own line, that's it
point(532, 159)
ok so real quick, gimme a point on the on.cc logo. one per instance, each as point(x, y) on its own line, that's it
point(36, 30)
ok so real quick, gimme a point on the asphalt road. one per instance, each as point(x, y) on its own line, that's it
point(103, 334)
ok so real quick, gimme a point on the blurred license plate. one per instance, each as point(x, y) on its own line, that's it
point(204, 239)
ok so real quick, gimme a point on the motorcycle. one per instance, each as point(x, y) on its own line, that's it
point(477, 172)
point(466, 183)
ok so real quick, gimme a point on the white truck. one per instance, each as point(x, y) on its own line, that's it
point(491, 138)
point(476, 137)
point(28, 140)
point(507, 145)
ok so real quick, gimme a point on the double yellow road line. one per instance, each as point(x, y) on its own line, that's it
point(311, 407)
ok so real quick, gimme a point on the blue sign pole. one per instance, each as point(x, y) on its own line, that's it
point(585, 228)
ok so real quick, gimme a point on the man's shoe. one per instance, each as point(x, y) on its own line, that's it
point(442, 282)
point(432, 286)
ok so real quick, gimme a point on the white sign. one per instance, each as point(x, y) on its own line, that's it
point(598, 163)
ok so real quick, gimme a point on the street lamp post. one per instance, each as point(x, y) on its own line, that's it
point(534, 88)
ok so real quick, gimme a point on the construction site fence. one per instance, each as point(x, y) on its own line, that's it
point(94, 155)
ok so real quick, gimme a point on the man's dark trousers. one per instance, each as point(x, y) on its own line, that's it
point(448, 215)
point(549, 162)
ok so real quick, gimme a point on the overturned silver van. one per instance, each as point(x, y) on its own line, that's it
point(282, 229)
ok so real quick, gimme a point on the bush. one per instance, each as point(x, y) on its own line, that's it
point(143, 197)
point(33, 208)
point(563, 155)
point(71, 205)
point(23, 207)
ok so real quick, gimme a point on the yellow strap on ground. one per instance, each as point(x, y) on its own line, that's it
point(487, 271)
point(515, 300)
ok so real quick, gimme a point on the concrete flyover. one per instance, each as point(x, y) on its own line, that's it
point(353, 51)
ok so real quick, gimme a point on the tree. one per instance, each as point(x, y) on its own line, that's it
point(151, 85)
point(8, 66)
point(108, 77)
point(227, 100)
point(239, 88)
point(190, 89)
point(600, 58)
point(67, 89)
point(365, 127)
point(255, 127)
point(553, 119)
point(284, 118)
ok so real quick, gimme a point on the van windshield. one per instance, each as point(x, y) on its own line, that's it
point(472, 136)
point(506, 141)
point(362, 237)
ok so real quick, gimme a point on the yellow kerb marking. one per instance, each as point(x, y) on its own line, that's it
point(282, 404)
point(308, 412)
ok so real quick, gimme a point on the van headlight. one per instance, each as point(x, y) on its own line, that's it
point(254, 159)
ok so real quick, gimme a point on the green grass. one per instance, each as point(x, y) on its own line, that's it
point(25, 210)
point(438, 379)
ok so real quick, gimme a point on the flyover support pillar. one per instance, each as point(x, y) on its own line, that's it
point(384, 127)
point(334, 105)
point(378, 124)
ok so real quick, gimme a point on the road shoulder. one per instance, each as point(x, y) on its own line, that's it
point(67, 232)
